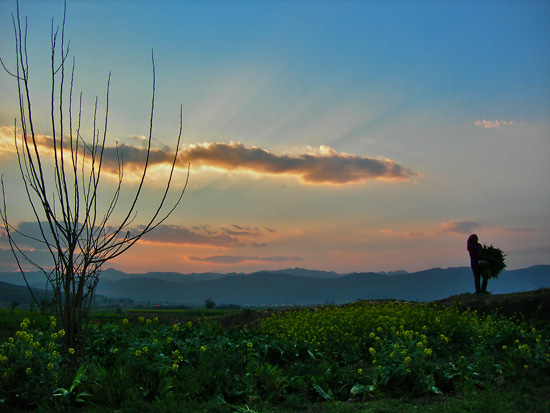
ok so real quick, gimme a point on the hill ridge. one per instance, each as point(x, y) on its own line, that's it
point(281, 288)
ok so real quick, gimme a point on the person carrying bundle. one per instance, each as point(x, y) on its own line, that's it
point(478, 265)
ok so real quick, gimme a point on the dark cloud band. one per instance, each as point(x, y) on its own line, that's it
point(321, 166)
point(238, 259)
point(326, 166)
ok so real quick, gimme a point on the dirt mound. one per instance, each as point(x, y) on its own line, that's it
point(531, 304)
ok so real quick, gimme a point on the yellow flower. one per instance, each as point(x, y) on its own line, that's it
point(155, 320)
point(148, 321)
point(407, 360)
point(141, 319)
point(504, 347)
point(526, 366)
point(71, 350)
point(125, 321)
point(175, 327)
point(28, 371)
point(61, 333)
point(249, 345)
point(202, 348)
point(360, 371)
point(189, 323)
point(175, 366)
point(53, 321)
point(50, 366)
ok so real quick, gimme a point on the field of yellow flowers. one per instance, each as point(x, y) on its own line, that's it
point(354, 353)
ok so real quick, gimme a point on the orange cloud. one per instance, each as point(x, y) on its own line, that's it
point(321, 166)
point(490, 124)
point(324, 166)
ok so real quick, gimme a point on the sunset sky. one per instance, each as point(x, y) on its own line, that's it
point(330, 135)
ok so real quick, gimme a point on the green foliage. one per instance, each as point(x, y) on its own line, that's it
point(352, 354)
point(209, 304)
point(495, 258)
point(70, 395)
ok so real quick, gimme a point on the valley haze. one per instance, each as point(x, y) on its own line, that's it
point(298, 286)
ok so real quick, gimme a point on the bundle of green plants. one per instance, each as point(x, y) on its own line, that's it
point(495, 257)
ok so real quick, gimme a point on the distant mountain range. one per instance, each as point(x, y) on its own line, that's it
point(296, 286)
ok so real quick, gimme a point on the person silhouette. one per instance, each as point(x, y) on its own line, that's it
point(475, 249)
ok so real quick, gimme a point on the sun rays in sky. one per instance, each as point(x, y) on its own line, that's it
point(345, 136)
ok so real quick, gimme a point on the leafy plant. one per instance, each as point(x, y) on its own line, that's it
point(70, 395)
point(495, 257)
point(270, 382)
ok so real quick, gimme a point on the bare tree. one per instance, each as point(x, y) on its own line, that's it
point(75, 227)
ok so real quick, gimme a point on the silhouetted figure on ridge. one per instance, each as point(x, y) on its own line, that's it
point(477, 264)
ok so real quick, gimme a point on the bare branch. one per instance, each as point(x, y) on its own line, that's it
point(78, 236)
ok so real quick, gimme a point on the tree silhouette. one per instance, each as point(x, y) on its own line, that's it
point(209, 304)
point(76, 227)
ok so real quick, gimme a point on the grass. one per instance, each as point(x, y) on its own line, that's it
point(182, 313)
point(366, 357)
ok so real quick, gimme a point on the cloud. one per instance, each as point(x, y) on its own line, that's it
point(7, 261)
point(28, 236)
point(519, 230)
point(238, 259)
point(6, 140)
point(177, 235)
point(321, 165)
point(490, 124)
point(226, 237)
point(201, 235)
point(460, 227)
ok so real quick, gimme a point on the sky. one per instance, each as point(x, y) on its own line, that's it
point(345, 136)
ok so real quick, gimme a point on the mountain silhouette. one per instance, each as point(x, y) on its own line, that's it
point(299, 286)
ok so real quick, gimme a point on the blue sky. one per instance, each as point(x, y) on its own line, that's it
point(346, 136)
